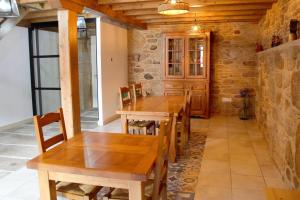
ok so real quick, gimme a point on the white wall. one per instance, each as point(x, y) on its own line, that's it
point(15, 86)
point(113, 68)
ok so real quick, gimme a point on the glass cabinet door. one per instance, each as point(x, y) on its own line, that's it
point(196, 57)
point(175, 57)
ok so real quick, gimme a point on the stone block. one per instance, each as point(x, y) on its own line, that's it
point(295, 89)
point(297, 153)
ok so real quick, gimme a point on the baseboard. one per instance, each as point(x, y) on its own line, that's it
point(16, 124)
point(110, 119)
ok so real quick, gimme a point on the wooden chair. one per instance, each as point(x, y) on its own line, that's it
point(72, 191)
point(137, 91)
point(137, 127)
point(183, 122)
point(156, 187)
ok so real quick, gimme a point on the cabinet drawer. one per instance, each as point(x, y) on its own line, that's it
point(198, 86)
point(174, 92)
point(174, 85)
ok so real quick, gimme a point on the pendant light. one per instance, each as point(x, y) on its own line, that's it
point(173, 7)
point(195, 27)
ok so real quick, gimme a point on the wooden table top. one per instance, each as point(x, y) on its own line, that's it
point(158, 105)
point(107, 155)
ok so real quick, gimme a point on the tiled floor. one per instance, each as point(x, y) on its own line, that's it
point(236, 164)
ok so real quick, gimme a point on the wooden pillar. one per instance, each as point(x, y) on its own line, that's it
point(69, 78)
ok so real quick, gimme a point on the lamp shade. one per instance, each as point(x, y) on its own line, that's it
point(9, 8)
point(173, 8)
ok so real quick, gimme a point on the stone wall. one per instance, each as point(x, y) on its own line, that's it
point(278, 107)
point(145, 63)
point(233, 64)
point(277, 20)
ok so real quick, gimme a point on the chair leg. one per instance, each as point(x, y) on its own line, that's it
point(144, 130)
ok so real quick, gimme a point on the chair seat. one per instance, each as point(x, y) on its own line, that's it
point(141, 124)
point(76, 189)
point(123, 194)
point(146, 123)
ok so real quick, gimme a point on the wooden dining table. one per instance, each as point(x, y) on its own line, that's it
point(103, 159)
point(154, 108)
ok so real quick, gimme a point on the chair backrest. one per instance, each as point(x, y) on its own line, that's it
point(137, 91)
point(188, 102)
point(125, 96)
point(49, 118)
point(161, 163)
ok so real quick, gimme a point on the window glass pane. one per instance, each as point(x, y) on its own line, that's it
point(50, 100)
point(49, 72)
point(175, 56)
point(47, 43)
point(196, 57)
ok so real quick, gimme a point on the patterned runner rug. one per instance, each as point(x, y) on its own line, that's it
point(183, 175)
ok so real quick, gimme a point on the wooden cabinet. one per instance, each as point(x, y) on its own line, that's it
point(187, 65)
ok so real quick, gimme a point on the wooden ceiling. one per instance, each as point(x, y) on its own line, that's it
point(143, 13)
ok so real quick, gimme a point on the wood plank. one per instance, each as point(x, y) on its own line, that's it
point(41, 14)
point(78, 5)
point(180, 20)
point(204, 14)
point(105, 2)
point(69, 77)
point(104, 155)
point(153, 4)
point(246, 7)
point(191, 2)
point(43, 19)
point(32, 1)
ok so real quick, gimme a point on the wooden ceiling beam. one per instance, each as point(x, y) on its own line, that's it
point(41, 14)
point(155, 4)
point(205, 14)
point(151, 24)
point(105, 2)
point(153, 11)
point(78, 5)
point(191, 19)
point(191, 2)
point(184, 26)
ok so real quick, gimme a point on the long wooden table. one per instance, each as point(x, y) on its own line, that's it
point(106, 159)
point(156, 108)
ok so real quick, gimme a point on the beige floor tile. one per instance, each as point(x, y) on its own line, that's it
point(218, 133)
point(246, 194)
point(275, 183)
point(239, 168)
point(213, 193)
point(263, 158)
point(270, 171)
point(215, 155)
point(247, 182)
point(216, 167)
point(240, 150)
point(243, 158)
point(214, 180)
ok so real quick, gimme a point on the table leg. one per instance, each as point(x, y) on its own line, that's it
point(47, 187)
point(124, 123)
point(136, 190)
point(172, 151)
